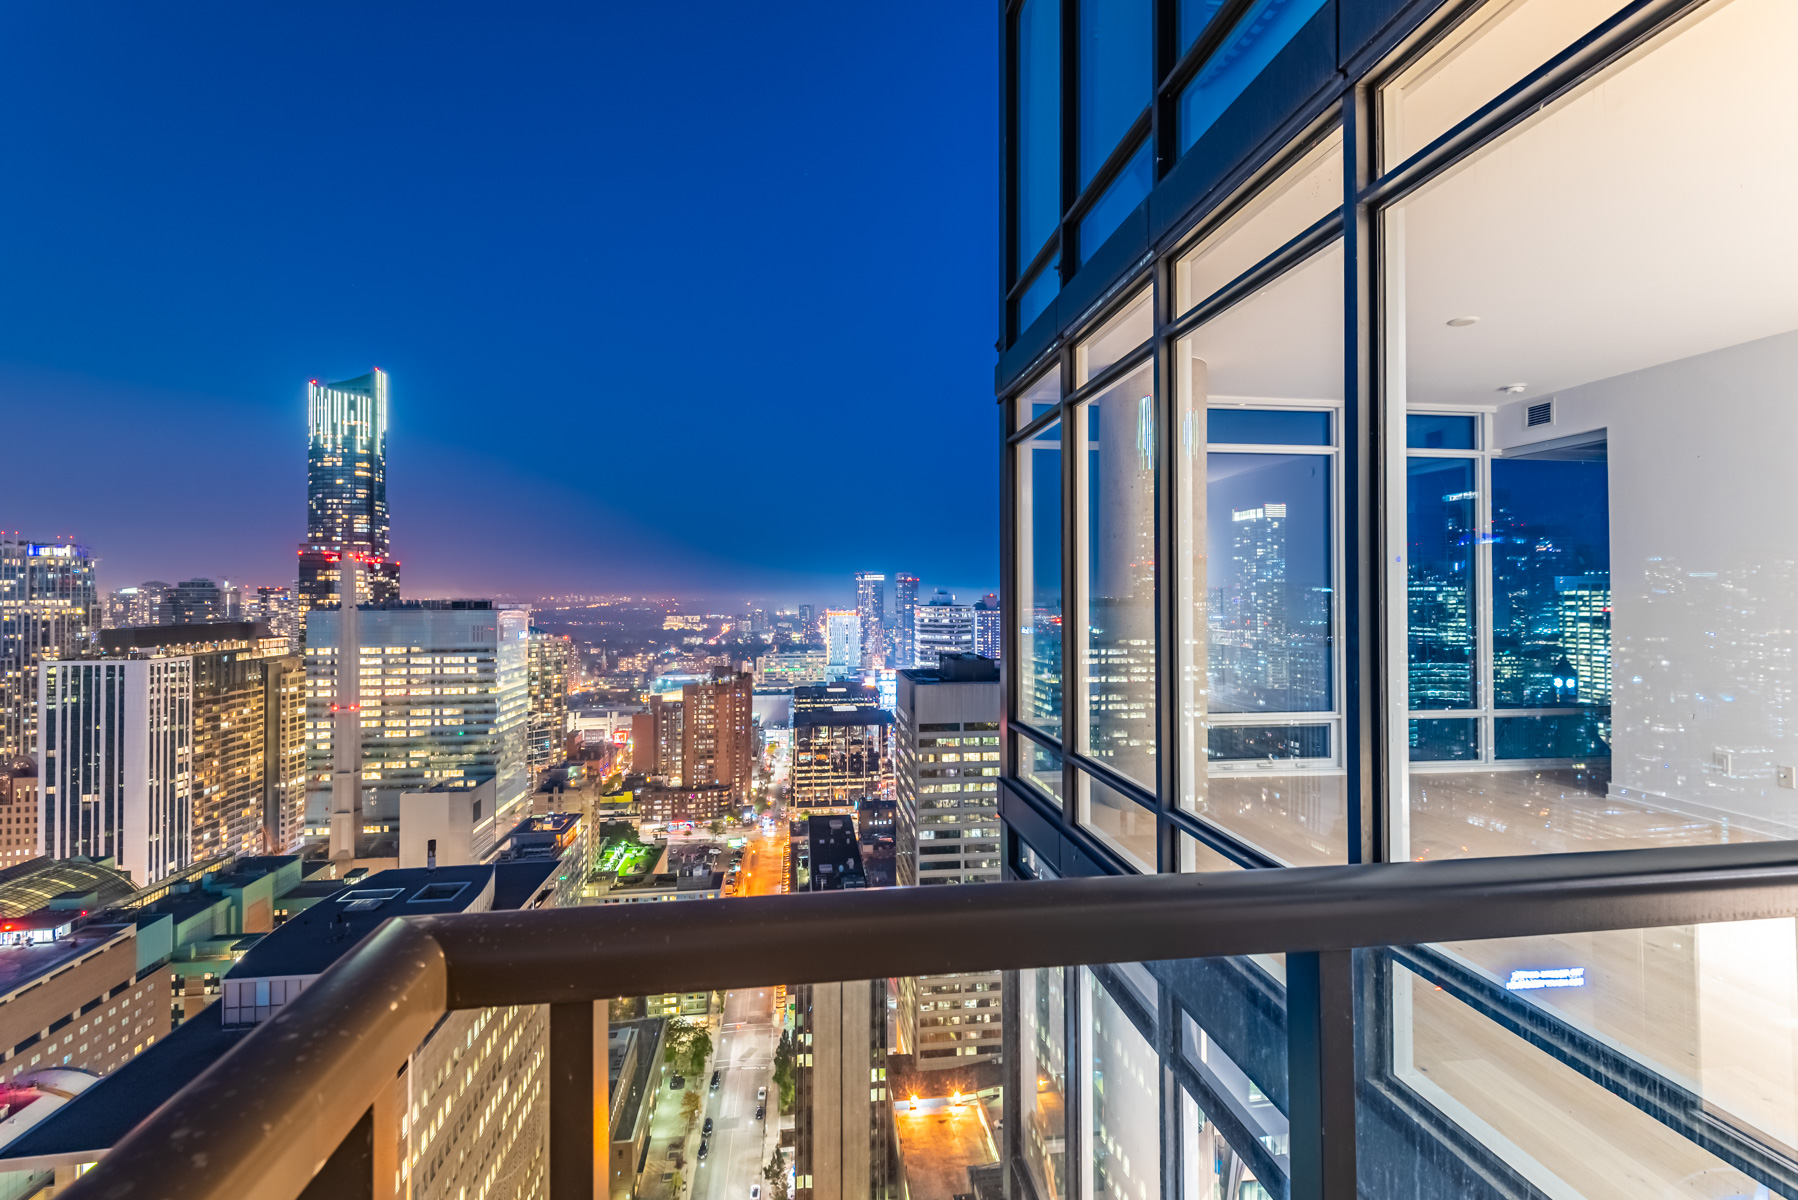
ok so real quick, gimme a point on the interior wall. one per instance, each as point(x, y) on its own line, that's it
point(1704, 574)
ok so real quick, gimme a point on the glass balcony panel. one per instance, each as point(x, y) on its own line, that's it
point(1039, 128)
point(1119, 822)
point(1043, 1078)
point(1487, 52)
point(1121, 1094)
point(1611, 542)
point(1269, 215)
point(1625, 1063)
point(1116, 507)
point(1038, 550)
point(1115, 52)
point(1114, 340)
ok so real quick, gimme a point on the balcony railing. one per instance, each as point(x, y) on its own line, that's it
point(273, 1112)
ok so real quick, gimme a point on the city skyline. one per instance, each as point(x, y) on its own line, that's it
point(211, 364)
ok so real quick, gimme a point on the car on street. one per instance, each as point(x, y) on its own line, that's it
point(761, 1112)
point(677, 1083)
point(705, 1147)
point(706, 1129)
point(755, 1191)
point(761, 1094)
point(716, 1076)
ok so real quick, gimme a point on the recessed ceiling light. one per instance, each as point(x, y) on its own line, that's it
point(1462, 322)
point(1511, 389)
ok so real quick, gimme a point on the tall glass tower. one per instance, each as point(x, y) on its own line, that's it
point(346, 488)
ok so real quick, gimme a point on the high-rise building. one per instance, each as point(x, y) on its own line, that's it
point(946, 782)
point(49, 608)
point(989, 632)
point(839, 757)
point(718, 733)
point(843, 641)
point(658, 739)
point(452, 707)
point(284, 753)
point(943, 627)
point(871, 608)
point(792, 668)
point(140, 605)
point(192, 602)
point(346, 490)
point(115, 762)
point(1584, 603)
point(905, 603)
point(229, 723)
point(549, 655)
point(278, 609)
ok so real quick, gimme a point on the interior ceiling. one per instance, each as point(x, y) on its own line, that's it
point(1644, 220)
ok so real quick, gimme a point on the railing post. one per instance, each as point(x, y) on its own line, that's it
point(572, 1113)
point(1320, 1064)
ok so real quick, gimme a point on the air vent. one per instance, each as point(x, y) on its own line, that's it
point(1540, 414)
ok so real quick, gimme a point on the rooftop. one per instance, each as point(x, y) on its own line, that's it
point(22, 966)
point(31, 885)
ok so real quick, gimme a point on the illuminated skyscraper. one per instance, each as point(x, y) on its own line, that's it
point(943, 627)
point(842, 633)
point(48, 608)
point(1585, 610)
point(871, 604)
point(905, 603)
point(346, 489)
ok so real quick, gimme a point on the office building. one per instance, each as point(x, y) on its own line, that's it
point(452, 706)
point(284, 753)
point(942, 627)
point(839, 756)
point(843, 641)
point(659, 740)
point(548, 683)
point(905, 601)
point(839, 695)
point(72, 997)
point(140, 605)
point(718, 735)
point(871, 611)
point(115, 762)
point(18, 812)
point(947, 832)
point(193, 602)
point(278, 610)
point(49, 608)
point(346, 490)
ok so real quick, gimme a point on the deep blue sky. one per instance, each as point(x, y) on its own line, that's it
point(675, 297)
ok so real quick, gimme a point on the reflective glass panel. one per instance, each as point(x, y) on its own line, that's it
point(1442, 520)
point(1116, 338)
point(1041, 395)
point(1269, 216)
point(1040, 767)
point(1040, 294)
point(1038, 549)
point(1115, 48)
point(1267, 427)
point(1042, 1044)
point(1486, 53)
point(1661, 581)
point(1119, 822)
point(1120, 198)
point(1256, 543)
point(1442, 740)
point(1434, 431)
point(1261, 33)
point(1039, 128)
point(1192, 17)
point(1117, 537)
point(1121, 1094)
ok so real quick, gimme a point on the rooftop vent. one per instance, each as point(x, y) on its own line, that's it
point(378, 895)
point(437, 893)
point(369, 905)
point(1542, 413)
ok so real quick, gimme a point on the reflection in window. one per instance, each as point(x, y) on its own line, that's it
point(1262, 33)
point(1116, 338)
point(1039, 578)
point(1437, 431)
point(1039, 127)
point(1119, 822)
point(1441, 521)
point(1191, 18)
point(1268, 608)
point(1119, 200)
point(1122, 1095)
point(1042, 1043)
point(1040, 767)
point(1118, 590)
point(1115, 81)
point(1040, 396)
point(1441, 740)
point(1267, 427)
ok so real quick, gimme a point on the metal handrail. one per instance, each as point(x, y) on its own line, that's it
point(261, 1121)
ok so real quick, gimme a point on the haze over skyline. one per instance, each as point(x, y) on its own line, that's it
point(598, 385)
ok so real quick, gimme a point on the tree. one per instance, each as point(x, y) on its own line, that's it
point(776, 1175)
point(785, 1084)
point(717, 827)
point(698, 1048)
point(689, 1105)
point(674, 1047)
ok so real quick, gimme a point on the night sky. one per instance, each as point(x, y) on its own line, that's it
point(690, 297)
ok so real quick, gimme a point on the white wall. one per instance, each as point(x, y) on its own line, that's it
point(1704, 573)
